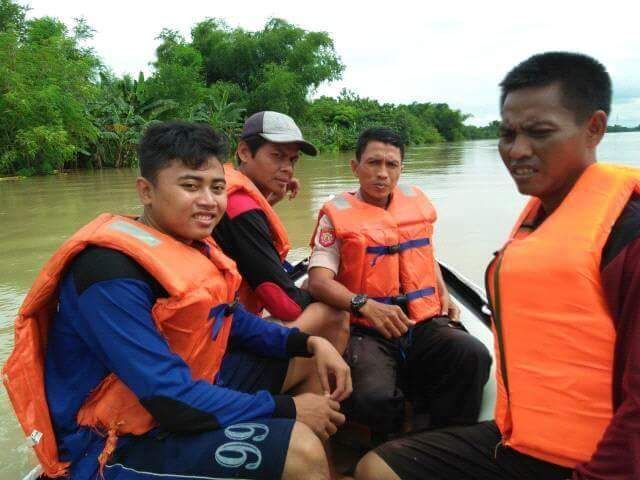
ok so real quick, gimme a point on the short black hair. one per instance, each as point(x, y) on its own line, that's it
point(254, 142)
point(378, 134)
point(585, 83)
point(190, 143)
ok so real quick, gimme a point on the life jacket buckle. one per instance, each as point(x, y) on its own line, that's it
point(231, 308)
point(392, 249)
point(400, 300)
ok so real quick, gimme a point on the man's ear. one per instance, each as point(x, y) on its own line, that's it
point(244, 152)
point(354, 166)
point(596, 127)
point(145, 191)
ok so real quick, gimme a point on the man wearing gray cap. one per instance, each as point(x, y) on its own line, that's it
point(252, 234)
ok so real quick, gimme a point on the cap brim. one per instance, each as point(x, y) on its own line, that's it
point(305, 147)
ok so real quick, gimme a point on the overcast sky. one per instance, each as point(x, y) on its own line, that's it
point(396, 51)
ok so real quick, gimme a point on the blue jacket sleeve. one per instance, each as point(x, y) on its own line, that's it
point(121, 331)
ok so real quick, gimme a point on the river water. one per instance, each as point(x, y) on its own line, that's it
point(475, 198)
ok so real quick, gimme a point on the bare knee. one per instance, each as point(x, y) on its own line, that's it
point(328, 322)
point(306, 457)
point(339, 326)
point(336, 327)
point(372, 467)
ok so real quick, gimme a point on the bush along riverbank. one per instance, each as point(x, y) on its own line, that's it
point(62, 108)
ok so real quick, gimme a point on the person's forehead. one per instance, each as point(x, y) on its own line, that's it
point(376, 148)
point(527, 97)
point(210, 168)
point(534, 104)
point(291, 148)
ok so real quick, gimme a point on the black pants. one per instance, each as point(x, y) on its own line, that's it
point(440, 369)
point(464, 453)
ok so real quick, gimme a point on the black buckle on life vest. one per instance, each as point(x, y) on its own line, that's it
point(399, 300)
point(391, 249)
point(231, 307)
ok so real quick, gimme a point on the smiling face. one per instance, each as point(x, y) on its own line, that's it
point(541, 144)
point(378, 172)
point(184, 202)
point(271, 167)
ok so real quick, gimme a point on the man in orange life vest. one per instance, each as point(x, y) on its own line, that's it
point(373, 256)
point(252, 234)
point(565, 298)
point(120, 360)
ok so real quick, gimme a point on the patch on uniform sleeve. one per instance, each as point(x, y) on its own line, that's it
point(327, 236)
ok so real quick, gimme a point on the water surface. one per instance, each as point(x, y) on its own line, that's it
point(475, 198)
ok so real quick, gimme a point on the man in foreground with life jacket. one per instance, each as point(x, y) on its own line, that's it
point(252, 234)
point(119, 363)
point(373, 256)
point(565, 297)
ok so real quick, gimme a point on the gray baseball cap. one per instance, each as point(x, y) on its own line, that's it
point(277, 128)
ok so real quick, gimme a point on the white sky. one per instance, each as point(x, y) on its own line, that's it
point(396, 51)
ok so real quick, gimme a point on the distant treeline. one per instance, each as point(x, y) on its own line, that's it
point(620, 128)
point(62, 108)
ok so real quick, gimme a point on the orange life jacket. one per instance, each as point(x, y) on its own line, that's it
point(554, 335)
point(195, 284)
point(238, 181)
point(387, 253)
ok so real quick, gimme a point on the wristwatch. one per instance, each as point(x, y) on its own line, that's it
point(357, 302)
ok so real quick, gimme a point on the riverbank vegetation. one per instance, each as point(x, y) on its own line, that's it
point(63, 108)
point(620, 128)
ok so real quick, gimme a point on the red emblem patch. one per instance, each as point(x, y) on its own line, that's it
point(327, 236)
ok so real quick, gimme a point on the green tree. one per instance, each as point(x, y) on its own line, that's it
point(12, 16)
point(46, 82)
point(219, 111)
point(121, 113)
point(276, 67)
point(62, 108)
point(178, 74)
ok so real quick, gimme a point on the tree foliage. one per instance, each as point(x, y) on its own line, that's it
point(275, 68)
point(45, 87)
point(620, 128)
point(61, 108)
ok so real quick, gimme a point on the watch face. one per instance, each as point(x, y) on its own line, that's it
point(358, 301)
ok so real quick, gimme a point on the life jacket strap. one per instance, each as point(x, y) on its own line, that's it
point(406, 297)
point(380, 250)
point(288, 267)
point(219, 313)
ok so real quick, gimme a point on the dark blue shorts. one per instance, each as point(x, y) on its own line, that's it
point(247, 372)
point(253, 450)
point(249, 450)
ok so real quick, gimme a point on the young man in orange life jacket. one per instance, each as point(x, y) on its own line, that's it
point(252, 234)
point(373, 256)
point(120, 361)
point(565, 297)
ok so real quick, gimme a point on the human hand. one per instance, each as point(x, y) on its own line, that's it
point(319, 412)
point(449, 308)
point(330, 366)
point(292, 188)
point(389, 320)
